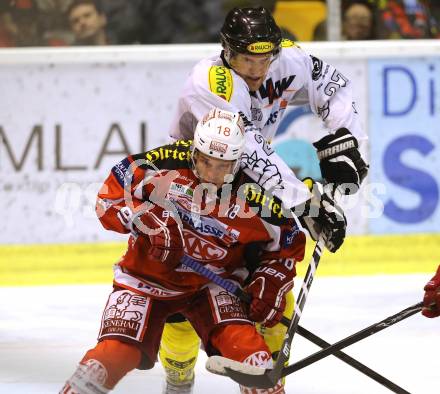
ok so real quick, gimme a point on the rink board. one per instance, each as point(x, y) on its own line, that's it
point(23, 265)
point(88, 108)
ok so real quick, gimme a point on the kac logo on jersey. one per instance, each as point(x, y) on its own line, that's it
point(274, 91)
point(202, 249)
point(220, 82)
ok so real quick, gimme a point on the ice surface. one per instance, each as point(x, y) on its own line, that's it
point(44, 331)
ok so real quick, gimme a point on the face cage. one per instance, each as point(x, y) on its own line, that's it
point(194, 168)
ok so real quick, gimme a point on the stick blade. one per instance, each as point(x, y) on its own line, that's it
point(218, 365)
point(244, 374)
point(261, 381)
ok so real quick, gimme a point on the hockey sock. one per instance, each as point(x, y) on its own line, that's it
point(243, 343)
point(116, 357)
point(178, 352)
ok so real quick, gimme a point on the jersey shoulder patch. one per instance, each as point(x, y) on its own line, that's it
point(221, 82)
point(266, 206)
point(286, 43)
point(171, 156)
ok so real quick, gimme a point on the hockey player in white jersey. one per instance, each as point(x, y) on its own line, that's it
point(259, 74)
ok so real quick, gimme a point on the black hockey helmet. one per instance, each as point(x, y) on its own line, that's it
point(251, 31)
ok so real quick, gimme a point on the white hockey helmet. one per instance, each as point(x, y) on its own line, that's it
point(220, 134)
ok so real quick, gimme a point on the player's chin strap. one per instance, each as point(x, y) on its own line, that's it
point(327, 349)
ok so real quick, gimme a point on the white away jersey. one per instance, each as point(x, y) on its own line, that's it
point(293, 78)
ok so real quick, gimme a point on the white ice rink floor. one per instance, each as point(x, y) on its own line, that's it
point(44, 331)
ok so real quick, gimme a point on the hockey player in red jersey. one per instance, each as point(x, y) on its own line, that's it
point(431, 300)
point(190, 198)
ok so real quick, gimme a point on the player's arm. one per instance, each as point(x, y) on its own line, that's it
point(330, 97)
point(274, 276)
point(115, 202)
point(131, 201)
point(431, 300)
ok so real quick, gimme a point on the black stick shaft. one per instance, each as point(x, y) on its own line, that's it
point(358, 336)
point(284, 354)
point(353, 362)
point(245, 297)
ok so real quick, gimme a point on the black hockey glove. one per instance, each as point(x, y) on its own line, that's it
point(340, 160)
point(322, 215)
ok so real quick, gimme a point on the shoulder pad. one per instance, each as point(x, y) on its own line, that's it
point(176, 155)
point(269, 208)
point(286, 43)
point(220, 82)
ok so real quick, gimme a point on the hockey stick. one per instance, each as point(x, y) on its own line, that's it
point(270, 377)
point(343, 357)
point(217, 279)
point(358, 336)
point(245, 297)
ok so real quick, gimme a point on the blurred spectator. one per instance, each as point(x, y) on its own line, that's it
point(7, 27)
point(125, 21)
point(358, 22)
point(53, 20)
point(87, 23)
point(170, 21)
point(162, 22)
point(101, 22)
point(407, 19)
